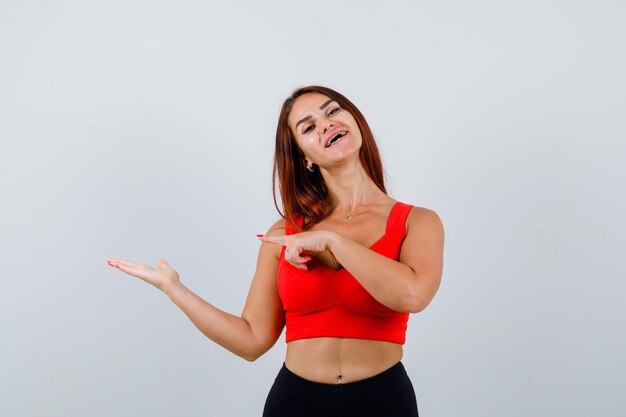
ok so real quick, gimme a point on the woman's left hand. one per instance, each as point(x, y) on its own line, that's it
point(299, 246)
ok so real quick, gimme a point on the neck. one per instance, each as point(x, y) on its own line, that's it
point(349, 187)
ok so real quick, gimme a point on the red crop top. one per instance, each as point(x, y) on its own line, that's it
point(324, 302)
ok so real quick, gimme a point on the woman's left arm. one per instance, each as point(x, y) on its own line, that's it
point(408, 284)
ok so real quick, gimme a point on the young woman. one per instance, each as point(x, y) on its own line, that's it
point(342, 269)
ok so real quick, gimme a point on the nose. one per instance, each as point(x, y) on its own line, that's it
point(327, 126)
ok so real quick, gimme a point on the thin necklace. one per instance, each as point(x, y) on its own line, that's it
point(349, 216)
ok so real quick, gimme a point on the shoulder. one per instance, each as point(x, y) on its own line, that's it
point(278, 228)
point(424, 220)
point(423, 244)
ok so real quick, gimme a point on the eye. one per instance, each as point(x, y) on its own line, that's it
point(307, 129)
point(335, 110)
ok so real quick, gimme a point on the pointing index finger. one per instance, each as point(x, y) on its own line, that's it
point(273, 239)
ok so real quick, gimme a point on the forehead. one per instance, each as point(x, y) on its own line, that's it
point(306, 104)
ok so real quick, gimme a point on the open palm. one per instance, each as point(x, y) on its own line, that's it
point(160, 277)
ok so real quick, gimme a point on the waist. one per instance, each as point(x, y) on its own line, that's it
point(333, 360)
point(341, 322)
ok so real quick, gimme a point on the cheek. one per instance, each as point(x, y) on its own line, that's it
point(356, 133)
point(351, 121)
point(306, 144)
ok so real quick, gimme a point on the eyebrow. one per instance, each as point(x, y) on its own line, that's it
point(322, 107)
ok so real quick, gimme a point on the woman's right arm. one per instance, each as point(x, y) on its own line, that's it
point(262, 320)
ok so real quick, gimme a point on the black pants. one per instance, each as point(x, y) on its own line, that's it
point(388, 394)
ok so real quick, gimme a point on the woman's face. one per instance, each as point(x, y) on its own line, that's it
point(316, 121)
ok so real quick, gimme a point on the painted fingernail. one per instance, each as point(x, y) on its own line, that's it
point(260, 235)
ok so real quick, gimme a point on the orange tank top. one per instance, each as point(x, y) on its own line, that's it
point(323, 302)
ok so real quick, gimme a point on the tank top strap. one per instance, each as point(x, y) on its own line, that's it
point(289, 228)
point(396, 224)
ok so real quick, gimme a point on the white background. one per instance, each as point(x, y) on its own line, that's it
point(145, 130)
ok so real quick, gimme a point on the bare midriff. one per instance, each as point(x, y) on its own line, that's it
point(333, 360)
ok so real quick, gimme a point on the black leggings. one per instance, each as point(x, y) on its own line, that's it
point(388, 394)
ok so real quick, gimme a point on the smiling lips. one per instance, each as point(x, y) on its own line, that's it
point(335, 136)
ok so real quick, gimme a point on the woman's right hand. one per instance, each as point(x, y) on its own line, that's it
point(162, 278)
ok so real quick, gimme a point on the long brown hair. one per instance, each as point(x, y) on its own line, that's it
point(303, 193)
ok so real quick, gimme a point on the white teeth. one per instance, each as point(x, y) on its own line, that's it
point(341, 134)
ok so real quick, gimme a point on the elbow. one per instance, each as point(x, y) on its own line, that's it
point(414, 302)
point(252, 355)
point(412, 306)
point(418, 297)
point(415, 307)
point(250, 358)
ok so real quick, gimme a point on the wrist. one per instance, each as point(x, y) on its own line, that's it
point(171, 288)
point(333, 241)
